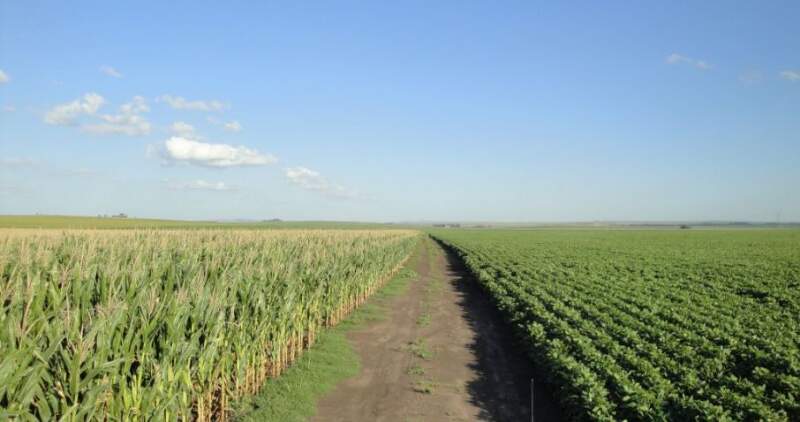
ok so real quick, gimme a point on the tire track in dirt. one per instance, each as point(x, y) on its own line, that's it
point(441, 354)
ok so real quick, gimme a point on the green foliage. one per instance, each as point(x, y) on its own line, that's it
point(424, 320)
point(293, 396)
point(415, 370)
point(420, 349)
point(652, 325)
point(424, 386)
point(170, 324)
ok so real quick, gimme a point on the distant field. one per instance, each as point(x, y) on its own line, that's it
point(60, 222)
point(651, 325)
point(56, 221)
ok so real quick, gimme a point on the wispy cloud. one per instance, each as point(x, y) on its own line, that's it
point(676, 58)
point(180, 103)
point(200, 184)
point(8, 108)
point(183, 129)
point(233, 126)
point(128, 121)
point(4, 78)
point(110, 71)
point(311, 180)
point(190, 151)
point(66, 114)
point(791, 75)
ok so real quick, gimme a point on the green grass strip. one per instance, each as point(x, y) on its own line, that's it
point(294, 395)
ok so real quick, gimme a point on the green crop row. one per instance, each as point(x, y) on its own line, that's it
point(651, 325)
point(170, 324)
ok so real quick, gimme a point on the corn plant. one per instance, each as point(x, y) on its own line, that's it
point(170, 324)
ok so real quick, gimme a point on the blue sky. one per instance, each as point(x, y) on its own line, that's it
point(505, 111)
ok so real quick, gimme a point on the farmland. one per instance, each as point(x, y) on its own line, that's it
point(651, 324)
point(76, 222)
point(157, 319)
point(171, 324)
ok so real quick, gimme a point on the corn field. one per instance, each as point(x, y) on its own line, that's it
point(170, 324)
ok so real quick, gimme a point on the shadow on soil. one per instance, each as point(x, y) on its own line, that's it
point(505, 371)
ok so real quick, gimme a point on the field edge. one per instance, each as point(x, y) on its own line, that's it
point(293, 396)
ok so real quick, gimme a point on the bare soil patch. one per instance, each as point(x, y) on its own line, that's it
point(442, 353)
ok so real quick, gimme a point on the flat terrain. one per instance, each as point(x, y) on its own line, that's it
point(82, 222)
point(439, 355)
point(651, 324)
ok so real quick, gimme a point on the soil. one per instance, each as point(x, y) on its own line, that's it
point(441, 354)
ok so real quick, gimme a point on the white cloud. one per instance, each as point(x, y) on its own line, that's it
point(201, 185)
point(702, 65)
point(180, 103)
point(233, 126)
point(137, 105)
point(306, 178)
point(4, 78)
point(65, 114)
point(178, 148)
point(676, 58)
point(311, 180)
point(128, 122)
point(8, 108)
point(183, 129)
point(791, 75)
point(110, 71)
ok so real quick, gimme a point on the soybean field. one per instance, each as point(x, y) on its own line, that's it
point(651, 324)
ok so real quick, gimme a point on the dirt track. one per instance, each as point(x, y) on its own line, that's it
point(441, 354)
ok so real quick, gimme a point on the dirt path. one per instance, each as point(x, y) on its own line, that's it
point(441, 354)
